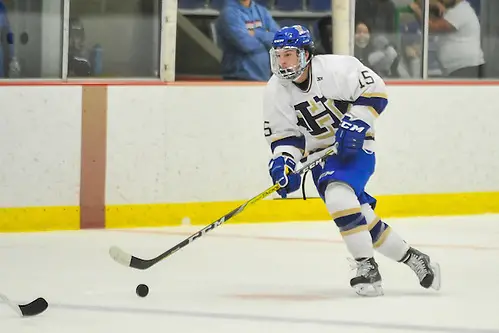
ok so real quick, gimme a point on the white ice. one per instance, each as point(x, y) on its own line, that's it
point(284, 277)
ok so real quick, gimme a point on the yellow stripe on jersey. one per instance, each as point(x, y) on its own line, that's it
point(375, 103)
point(379, 95)
point(373, 111)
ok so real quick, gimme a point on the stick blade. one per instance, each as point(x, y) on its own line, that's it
point(128, 260)
point(120, 256)
point(34, 308)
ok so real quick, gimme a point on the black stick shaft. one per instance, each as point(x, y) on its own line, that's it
point(139, 263)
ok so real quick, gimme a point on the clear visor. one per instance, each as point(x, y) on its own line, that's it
point(288, 62)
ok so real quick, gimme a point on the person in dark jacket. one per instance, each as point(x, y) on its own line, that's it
point(378, 14)
point(324, 44)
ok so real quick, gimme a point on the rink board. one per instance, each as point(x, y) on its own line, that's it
point(87, 155)
point(203, 213)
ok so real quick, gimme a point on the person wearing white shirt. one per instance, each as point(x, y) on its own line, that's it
point(459, 47)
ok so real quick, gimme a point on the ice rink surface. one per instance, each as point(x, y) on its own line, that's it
point(286, 277)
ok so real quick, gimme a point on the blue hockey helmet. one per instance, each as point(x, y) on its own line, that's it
point(295, 37)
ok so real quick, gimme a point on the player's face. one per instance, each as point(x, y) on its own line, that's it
point(288, 63)
point(287, 58)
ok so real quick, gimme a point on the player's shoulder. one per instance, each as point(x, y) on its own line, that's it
point(336, 59)
point(335, 62)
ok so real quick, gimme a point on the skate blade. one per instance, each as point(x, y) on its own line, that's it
point(436, 284)
point(369, 289)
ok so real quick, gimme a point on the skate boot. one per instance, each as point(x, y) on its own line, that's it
point(427, 272)
point(367, 281)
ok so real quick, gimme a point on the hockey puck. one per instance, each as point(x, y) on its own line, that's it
point(142, 290)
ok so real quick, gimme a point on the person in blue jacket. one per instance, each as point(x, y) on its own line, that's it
point(245, 30)
point(9, 66)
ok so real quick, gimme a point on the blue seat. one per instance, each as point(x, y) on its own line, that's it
point(319, 5)
point(191, 4)
point(288, 5)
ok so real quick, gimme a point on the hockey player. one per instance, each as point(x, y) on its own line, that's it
point(312, 102)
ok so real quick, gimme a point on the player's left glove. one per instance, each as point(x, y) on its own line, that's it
point(282, 171)
point(350, 137)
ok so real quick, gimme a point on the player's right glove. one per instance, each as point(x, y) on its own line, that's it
point(282, 171)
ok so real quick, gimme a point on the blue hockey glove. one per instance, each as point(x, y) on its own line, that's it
point(282, 170)
point(350, 137)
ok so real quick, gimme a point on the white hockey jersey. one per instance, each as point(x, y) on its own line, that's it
point(300, 122)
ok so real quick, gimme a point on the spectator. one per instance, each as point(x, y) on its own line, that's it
point(375, 52)
point(78, 62)
point(324, 43)
point(459, 48)
point(245, 31)
point(411, 51)
point(378, 14)
point(411, 43)
point(9, 66)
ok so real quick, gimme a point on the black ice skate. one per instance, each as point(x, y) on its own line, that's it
point(367, 281)
point(427, 272)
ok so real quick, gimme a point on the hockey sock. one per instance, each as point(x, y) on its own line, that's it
point(353, 229)
point(385, 240)
point(344, 207)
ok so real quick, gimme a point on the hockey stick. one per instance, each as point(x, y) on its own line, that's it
point(128, 260)
point(29, 309)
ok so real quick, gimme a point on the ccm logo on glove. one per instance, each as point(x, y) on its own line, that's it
point(350, 138)
point(353, 127)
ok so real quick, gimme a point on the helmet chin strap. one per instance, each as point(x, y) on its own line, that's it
point(303, 71)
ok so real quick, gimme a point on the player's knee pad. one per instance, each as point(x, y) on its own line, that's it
point(377, 228)
point(344, 207)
